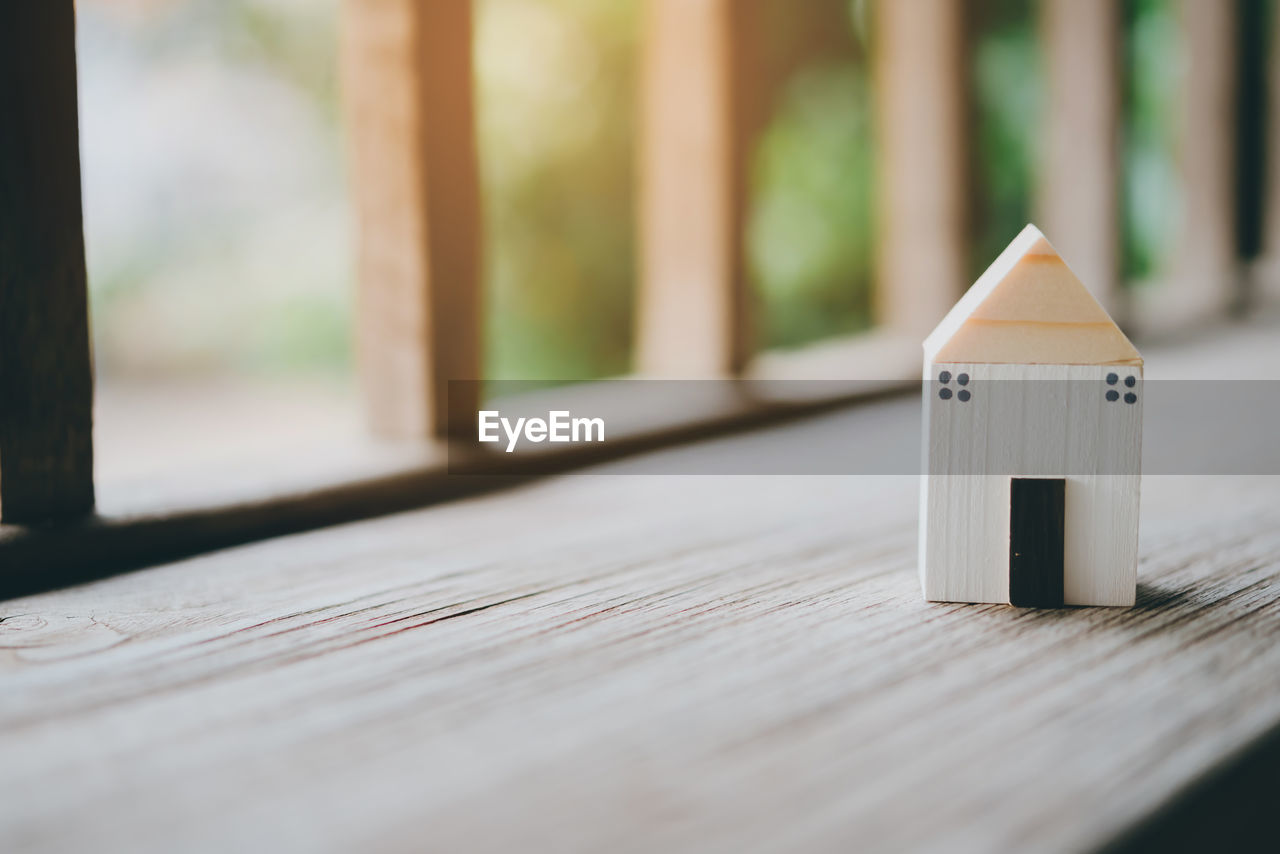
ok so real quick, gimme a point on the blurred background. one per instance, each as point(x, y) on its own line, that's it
point(221, 234)
point(220, 243)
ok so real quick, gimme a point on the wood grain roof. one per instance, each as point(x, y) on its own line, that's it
point(1030, 308)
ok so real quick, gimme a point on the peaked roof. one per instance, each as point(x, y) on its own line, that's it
point(1029, 308)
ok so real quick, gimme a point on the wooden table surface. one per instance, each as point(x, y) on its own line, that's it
point(617, 662)
point(628, 662)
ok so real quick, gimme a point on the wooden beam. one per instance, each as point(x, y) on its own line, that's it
point(46, 382)
point(920, 94)
point(693, 317)
point(1204, 277)
point(407, 84)
point(161, 520)
point(1080, 180)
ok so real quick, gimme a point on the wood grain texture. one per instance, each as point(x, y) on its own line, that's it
point(1079, 200)
point(693, 315)
point(1029, 307)
point(634, 663)
point(407, 92)
point(46, 382)
point(920, 95)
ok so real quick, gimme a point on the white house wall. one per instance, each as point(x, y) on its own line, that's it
point(1026, 421)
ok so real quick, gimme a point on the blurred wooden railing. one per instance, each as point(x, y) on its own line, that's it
point(693, 308)
point(407, 73)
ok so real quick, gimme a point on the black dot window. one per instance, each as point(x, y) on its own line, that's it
point(963, 395)
point(1113, 395)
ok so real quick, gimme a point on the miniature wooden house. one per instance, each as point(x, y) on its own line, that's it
point(1032, 438)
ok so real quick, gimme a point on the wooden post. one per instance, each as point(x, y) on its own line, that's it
point(1080, 188)
point(1252, 40)
point(1204, 279)
point(407, 84)
point(1251, 169)
point(693, 317)
point(920, 93)
point(46, 382)
point(1268, 284)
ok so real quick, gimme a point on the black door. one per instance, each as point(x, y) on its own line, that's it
point(1037, 523)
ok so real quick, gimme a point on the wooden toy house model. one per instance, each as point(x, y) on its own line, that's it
point(1032, 439)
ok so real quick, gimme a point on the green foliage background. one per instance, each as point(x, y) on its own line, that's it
point(557, 96)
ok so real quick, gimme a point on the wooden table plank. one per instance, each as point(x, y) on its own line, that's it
point(620, 662)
